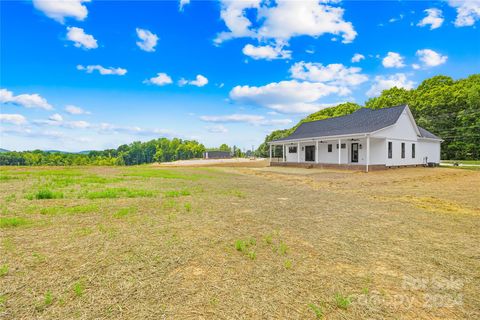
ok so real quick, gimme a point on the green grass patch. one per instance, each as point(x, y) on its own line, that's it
point(282, 248)
point(188, 207)
point(78, 288)
point(12, 222)
point(316, 310)
point(342, 301)
point(161, 173)
point(45, 193)
point(4, 178)
point(124, 212)
point(87, 208)
point(113, 193)
point(176, 193)
point(247, 247)
point(3, 270)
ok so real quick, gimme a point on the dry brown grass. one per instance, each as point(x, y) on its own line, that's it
point(170, 255)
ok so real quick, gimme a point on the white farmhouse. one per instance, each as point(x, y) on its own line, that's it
point(366, 139)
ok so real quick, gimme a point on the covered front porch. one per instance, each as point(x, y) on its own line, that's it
point(360, 152)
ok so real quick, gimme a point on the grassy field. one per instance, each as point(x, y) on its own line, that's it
point(239, 243)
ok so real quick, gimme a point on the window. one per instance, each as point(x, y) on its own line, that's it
point(344, 146)
point(390, 147)
point(403, 150)
point(329, 148)
point(413, 150)
point(292, 149)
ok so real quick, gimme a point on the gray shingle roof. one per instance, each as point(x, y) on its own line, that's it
point(427, 134)
point(361, 121)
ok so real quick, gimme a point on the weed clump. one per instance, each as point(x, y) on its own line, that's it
point(342, 301)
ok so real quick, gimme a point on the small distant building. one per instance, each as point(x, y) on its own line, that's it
point(216, 155)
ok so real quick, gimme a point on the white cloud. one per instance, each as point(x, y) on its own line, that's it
point(61, 9)
point(17, 119)
point(148, 40)
point(282, 20)
point(256, 120)
point(393, 60)
point(357, 57)
point(415, 66)
point(102, 70)
point(133, 130)
point(81, 39)
point(75, 110)
point(56, 117)
point(398, 80)
point(468, 12)
point(160, 80)
point(199, 81)
point(182, 4)
point(266, 52)
point(286, 96)
point(57, 120)
point(24, 100)
point(217, 129)
point(333, 74)
point(431, 58)
point(434, 18)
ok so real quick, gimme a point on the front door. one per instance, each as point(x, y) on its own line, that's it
point(310, 153)
point(354, 152)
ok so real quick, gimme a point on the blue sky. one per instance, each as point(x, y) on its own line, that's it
point(82, 75)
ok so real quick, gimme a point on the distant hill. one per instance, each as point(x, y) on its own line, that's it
point(4, 150)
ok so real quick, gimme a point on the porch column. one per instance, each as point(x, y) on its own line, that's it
point(283, 153)
point(298, 152)
point(339, 151)
point(368, 153)
point(316, 151)
point(270, 153)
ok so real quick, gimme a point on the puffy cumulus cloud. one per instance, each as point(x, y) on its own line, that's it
point(253, 119)
point(430, 58)
point(217, 129)
point(58, 10)
point(182, 4)
point(357, 57)
point(286, 96)
point(25, 100)
point(148, 40)
point(16, 119)
point(381, 83)
point(160, 80)
point(199, 81)
point(56, 117)
point(102, 70)
point(468, 12)
point(334, 74)
point(434, 19)
point(393, 60)
point(81, 39)
point(75, 110)
point(267, 52)
point(282, 20)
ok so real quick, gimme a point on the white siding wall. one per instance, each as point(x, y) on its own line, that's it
point(429, 149)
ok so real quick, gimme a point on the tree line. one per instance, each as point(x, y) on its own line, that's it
point(158, 150)
point(448, 108)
